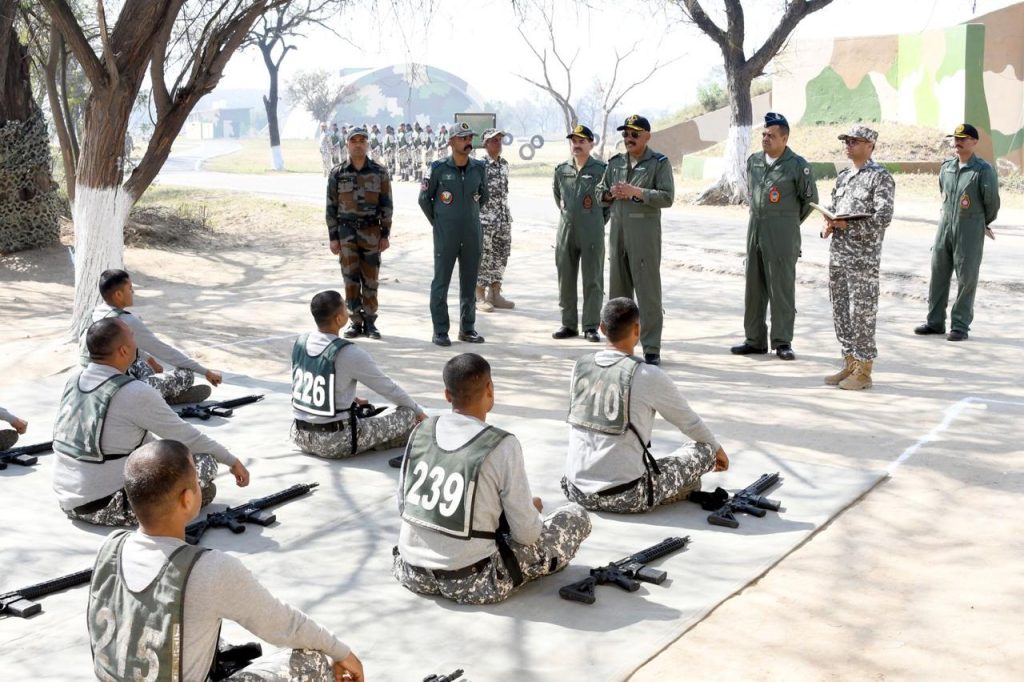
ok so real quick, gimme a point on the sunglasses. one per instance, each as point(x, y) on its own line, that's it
point(850, 141)
point(630, 133)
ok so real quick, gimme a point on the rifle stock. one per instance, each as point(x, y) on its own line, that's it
point(223, 408)
point(23, 455)
point(253, 511)
point(749, 501)
point(627, 573)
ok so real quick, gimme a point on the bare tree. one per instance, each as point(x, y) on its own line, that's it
point(274, 34)
point(613, 91)
point(184, 46)
point(556, 68)
point(740, 71)
point(319, 92)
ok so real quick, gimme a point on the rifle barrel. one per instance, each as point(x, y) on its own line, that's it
point(666, 546)
point(50, 586)
point(29, 449)
point(297, 490)
point(236, 402)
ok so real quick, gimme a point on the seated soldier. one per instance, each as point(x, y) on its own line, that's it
point(8, 437)
point(325, 371)
point(176, 387)
point(156, 603)
point(613, 398)
point(104, 415)
point(471, 531)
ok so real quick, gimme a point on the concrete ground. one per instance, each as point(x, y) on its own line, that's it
point(917, 580)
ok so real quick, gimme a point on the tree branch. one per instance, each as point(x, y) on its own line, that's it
point(64, 21)
point(796, 10)
point(696, 14)
point(108, 52)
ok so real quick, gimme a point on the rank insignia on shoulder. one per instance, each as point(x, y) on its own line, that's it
point(965, 202)
point(774, 195)
point(660, 157)
point(446, 197)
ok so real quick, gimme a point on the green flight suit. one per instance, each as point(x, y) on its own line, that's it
point(635, 236)
point(580, 240)
point(970, 201)
point(451, 197)
point(780, 199)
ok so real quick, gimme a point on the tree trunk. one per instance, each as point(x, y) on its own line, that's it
point(731, 187)
point(270, 104)
point(101, 205)
point(68, 150)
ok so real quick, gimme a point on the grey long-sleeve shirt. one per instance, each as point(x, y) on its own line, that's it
point(220, 588)
point(149, 343)
point(6, 416)
point(501, 486)
point(598, 461)
point(137, 411)
point(352, 366)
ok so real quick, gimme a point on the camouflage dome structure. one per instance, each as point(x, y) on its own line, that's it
point(405, 93)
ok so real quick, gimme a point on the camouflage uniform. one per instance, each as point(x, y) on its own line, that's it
point(389, 152)
point(119, 513)
point(442, 145)
point(855, 254)
point(326, 152)
point(170, 385)
point(429, 149)
point(285, 666)
point(404, 152)
point(495, 225)
point(564, 531)
point(680, 475)
point(387, 430)
point(359, 215)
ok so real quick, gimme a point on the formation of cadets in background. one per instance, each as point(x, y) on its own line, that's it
point(406, 152)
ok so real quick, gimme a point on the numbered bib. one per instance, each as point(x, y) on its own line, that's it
point(600, 395)
point(313, 378)
point(138, 635)
point(439, 486)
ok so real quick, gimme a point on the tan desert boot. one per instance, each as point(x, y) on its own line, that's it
point(482, 302)
point(834, 379)
point(859, 378)
point(497, 299)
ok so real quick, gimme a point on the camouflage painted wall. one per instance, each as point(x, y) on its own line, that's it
point(972, 72)
point(406, 93)
point(701, 132)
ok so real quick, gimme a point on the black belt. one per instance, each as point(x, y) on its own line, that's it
point(360, 223)
point(457, 574)
point(615, 490)
point(94, 506)
point(329, 427)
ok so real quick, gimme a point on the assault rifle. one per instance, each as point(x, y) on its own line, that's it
point(748, 501)
point(444, 678)
point(24, 455)
point(252, 511)
point(224, 408)
point(626, 573)
point(20, 603)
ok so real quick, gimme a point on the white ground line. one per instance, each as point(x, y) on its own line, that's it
point(248, 341)
point(952, 413)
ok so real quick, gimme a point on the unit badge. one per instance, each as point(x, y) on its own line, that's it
point(774, 195)
point(588, 202)
point(965, 202)
point(446, 197)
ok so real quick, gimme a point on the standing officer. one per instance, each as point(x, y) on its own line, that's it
point(496, 227)
point(336, 143)
point(429, 149)
point(375, 142)
point(359, 211)
point(970, 202)
point(450, 197)
point(637, 185)
point(402, 153)
point(390, 150)
point(580, 235)
point(326, 149)
point(782, 189)
point(441, 143)
point(855, 254)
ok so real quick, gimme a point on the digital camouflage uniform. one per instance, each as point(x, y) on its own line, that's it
point(495, 225)
point(564, 531)
point(856, 253)
point(404, 153)
point(780, 199)
point(634, 240)
point(359, 209)
point(387, 430)
point(680, 475)
point(326, 152)
point(169, 384)
point(286, 666)
point(451, 199)
point(441, 146)
point(970, 202)
point(390, 152)
point(429, 150)
point(580, 241)
point(119, 513)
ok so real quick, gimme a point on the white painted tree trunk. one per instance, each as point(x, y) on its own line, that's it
point(99, 215)
point(731, 188)
point(276, 158)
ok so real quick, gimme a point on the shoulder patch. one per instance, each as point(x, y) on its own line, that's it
point(807, 170)
point(660, 157)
